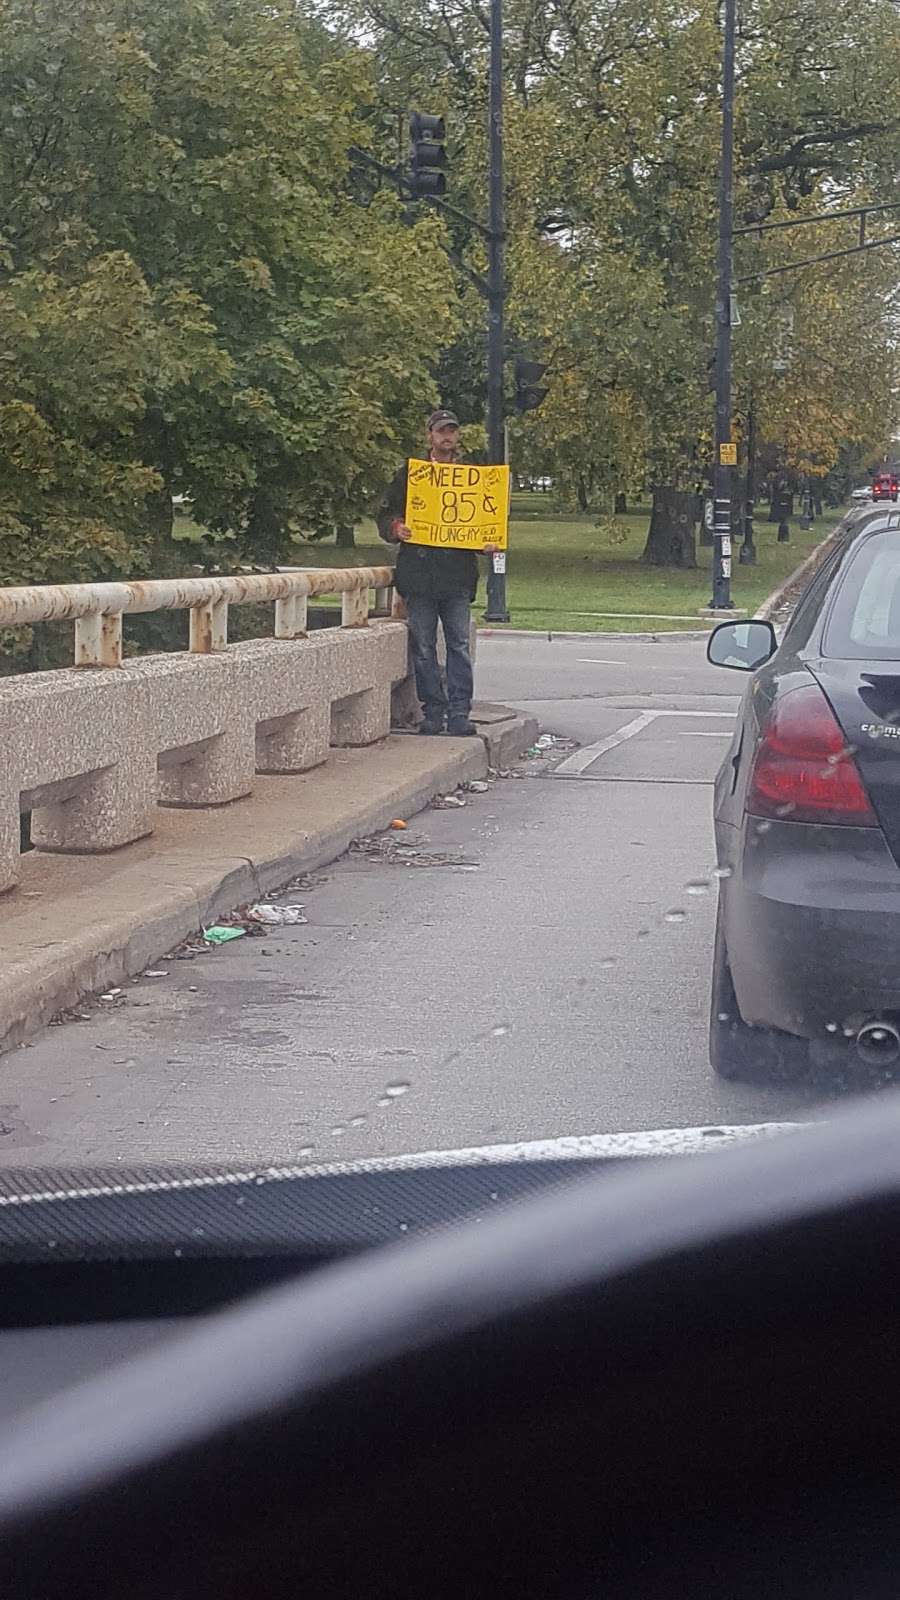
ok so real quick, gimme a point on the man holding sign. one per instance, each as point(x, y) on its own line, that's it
point(441, 512)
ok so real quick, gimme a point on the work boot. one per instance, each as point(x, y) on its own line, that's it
point(461, 728)
point(432, 726)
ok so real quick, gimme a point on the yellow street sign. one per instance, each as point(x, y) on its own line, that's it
point(728, 455)
point(457, 506)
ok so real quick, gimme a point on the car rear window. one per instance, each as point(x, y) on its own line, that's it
point(865, 616)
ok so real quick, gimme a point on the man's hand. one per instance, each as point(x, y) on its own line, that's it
point(490, 549)
point(401, 532)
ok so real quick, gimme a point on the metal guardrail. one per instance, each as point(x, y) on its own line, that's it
point(97, 609)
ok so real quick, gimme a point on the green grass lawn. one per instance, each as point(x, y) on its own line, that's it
point(563, 571)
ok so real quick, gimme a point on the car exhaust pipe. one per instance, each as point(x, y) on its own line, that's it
point(878, 1043)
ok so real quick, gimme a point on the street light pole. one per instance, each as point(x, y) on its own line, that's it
point(496, 584)
point(725, 454)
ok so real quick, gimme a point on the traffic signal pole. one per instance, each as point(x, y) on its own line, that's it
point(723, 465)
point(496, 289)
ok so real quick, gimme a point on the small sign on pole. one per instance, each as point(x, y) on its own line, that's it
point(728, 455)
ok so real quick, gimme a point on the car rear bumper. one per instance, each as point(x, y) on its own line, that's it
point(812, 924)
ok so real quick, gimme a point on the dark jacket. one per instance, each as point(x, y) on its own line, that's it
point(422, 569)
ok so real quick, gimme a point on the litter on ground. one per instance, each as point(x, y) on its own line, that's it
point(222, 935)
point(277, 916)
point(375, 847)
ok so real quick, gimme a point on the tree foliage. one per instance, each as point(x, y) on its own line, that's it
point(192, 300)
point(612, 145)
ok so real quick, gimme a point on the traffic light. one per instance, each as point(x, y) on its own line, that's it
point(427, 155)
point(529, 394)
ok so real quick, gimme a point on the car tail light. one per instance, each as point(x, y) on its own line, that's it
point(803, 771)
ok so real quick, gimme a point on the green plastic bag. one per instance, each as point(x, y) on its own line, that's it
point(220, 935)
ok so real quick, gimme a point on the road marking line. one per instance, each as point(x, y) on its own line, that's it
point(706, 733)
point(589, 753)
point(599, 661)
point(591, 1146)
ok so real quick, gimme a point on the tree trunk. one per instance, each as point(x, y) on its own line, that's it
point(581, 489)
point(670, 542)
point(344, 536)
point(705, 513)
point(621, 505)
point(747, 551)
point(160, 514)
point(264, 529)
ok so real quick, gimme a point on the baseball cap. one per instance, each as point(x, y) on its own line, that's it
point(443, 419)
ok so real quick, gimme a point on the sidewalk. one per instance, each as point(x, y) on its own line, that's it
point(80, 924)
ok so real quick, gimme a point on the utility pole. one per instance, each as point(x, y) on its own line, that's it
point(496, 584)
point(725, 451)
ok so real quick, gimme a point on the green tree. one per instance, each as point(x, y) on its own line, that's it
point(613, 130)
point(191, 297)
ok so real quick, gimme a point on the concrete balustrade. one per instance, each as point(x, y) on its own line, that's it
point(92, 753)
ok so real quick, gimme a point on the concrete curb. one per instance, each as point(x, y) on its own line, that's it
point(101, 929)
point(664, 635)
point(806, 569)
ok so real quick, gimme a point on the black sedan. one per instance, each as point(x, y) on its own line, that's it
point(807, 820)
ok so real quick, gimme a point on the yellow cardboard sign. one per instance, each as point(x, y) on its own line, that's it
point(457, 506)
point(728, 455)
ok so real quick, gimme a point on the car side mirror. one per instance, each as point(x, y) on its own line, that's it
point(743, 645)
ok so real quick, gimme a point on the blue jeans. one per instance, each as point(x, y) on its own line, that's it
point(453, 614)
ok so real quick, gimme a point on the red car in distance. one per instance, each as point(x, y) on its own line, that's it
point(885, 486)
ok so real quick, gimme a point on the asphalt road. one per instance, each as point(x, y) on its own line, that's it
point(551, 981)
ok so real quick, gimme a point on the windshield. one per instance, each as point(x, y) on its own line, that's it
point(390, 407)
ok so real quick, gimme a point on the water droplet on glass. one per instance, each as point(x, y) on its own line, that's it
point(240, 1199)
point(305, 1151)
point(699, 886)
point(404, 1227)
point(384, 1101)
point(393, 1091)
point(258, 1181)
point(357, 1122)
point(496, 1033)
point(178, 1254)
point(831, 1027)
point(675, 915)
point(723, 872)
point(495, 1194)
point(608, 961)
point(338, 1129)
point(198, 1232)
point(52, 1243)
point(763, 827)
point(723, 1016)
